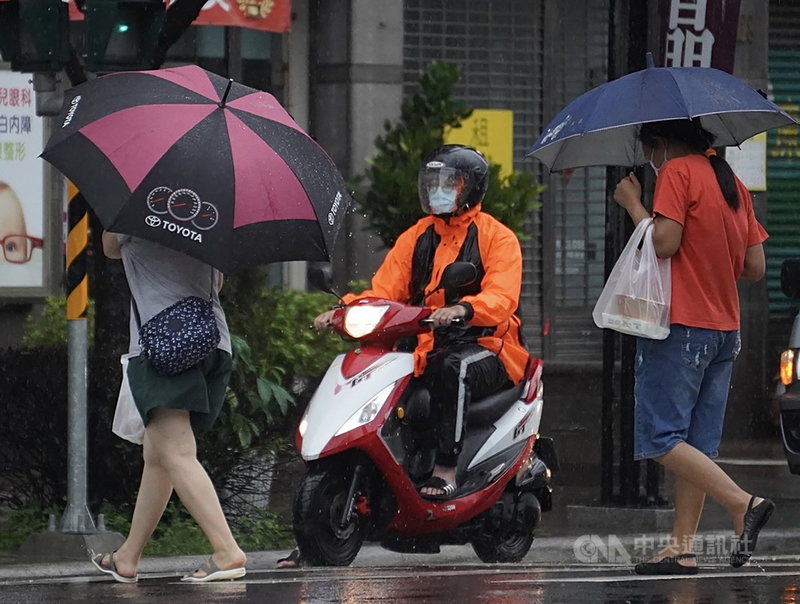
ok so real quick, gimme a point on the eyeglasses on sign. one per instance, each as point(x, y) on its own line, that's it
point(19, 248)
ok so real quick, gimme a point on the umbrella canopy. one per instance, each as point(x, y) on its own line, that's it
point(600, 127)
point(201, 164)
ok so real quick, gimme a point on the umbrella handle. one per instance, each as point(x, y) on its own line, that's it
point(225, 96)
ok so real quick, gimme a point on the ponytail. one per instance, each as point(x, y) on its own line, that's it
point(697, 138)
point(725, 178)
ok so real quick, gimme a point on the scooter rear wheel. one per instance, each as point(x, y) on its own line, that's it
point(508, 539)
point(318, 509)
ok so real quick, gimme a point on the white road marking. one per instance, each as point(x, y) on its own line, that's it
point(750, 462)
point(536, 576)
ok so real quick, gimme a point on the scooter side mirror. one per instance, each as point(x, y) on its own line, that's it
point(320, 275)
point(790, 278)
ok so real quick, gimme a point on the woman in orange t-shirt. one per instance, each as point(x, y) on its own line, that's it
point(703, 222)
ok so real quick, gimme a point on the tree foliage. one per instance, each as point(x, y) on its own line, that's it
point(390, 200)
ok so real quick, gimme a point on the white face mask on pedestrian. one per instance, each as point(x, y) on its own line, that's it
point(650, 161)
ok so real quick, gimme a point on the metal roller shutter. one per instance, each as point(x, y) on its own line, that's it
point(783, 153)
point(575, 213)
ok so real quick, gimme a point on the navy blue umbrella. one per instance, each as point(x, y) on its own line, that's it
point(599, 128)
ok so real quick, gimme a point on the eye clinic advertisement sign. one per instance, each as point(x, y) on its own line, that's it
point(21, 184)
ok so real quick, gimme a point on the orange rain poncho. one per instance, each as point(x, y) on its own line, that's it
point(490, 244)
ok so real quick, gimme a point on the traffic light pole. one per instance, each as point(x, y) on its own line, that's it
point(77, 518)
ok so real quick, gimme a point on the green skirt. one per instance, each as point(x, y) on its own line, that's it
point(200, 389)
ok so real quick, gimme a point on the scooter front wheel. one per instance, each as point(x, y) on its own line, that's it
point(319, 509)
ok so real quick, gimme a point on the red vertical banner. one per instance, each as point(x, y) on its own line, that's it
point(699, 33)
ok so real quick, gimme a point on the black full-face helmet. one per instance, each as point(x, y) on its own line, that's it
point(452, 179)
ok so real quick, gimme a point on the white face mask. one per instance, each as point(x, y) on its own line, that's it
point(650, 161)
point(442, 201)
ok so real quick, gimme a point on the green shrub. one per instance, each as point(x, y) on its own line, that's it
point(21, 523)
point(261, 530)
point(50, 328)
point(277, 329)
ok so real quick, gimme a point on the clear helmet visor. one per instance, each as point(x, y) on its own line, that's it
point(440, 189)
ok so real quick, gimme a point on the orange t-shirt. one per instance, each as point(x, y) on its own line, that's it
point(715, 238)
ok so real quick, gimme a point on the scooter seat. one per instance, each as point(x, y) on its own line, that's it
point(489, 409)
point(483, 412)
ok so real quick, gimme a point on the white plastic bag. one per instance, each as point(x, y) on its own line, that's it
point(127, 422)
point(636, 297)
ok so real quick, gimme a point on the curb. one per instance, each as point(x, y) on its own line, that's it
point(590, 549)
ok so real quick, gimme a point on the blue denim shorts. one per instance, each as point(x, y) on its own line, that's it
point(681, 390)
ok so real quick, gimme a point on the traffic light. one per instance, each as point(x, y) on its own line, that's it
point(34, 34)
point(123, 34)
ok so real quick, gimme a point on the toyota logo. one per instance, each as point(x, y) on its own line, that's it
point(152, 221)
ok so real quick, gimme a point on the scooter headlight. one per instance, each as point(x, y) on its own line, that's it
point(367, 412)
point(787, 370)
point(361, 320)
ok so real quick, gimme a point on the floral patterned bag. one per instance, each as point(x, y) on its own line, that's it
point(180, 336)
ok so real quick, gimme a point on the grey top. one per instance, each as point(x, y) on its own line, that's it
point(158, 277)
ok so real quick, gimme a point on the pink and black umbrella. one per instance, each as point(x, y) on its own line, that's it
point(201, 164)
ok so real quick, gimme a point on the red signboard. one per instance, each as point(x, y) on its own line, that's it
point(265, 15)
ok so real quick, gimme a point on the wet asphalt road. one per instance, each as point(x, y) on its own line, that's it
point(773, 581)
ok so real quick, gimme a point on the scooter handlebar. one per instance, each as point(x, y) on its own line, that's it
point(429, 321)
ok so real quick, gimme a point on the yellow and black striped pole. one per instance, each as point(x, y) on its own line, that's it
point(77, 243)
point(77, 518)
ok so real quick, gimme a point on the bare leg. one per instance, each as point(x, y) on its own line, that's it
point(155, 490)
point(172, 453)
point(689, 502)
point(688, 463)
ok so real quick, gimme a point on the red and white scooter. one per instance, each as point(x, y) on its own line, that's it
point(368, 443)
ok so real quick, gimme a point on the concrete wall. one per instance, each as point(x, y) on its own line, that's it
point(357, 77)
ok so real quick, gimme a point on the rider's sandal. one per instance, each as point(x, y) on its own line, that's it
point(434, 482)
point(293, 560)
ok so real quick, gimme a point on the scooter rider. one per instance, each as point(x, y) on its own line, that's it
point(456, 362)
